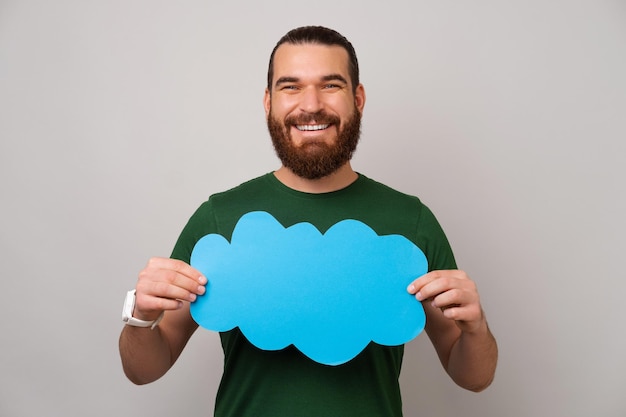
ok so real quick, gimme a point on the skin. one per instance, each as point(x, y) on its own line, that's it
point(457, 327)
point(164, 284)
point(308, 78)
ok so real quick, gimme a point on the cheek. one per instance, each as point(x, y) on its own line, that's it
point(283, 106)
point(345, 108)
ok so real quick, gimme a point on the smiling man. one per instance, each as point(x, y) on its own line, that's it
point(313, 103)
point(313, 112)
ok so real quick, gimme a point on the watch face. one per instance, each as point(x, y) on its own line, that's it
point(127, 313)
point(129, 305)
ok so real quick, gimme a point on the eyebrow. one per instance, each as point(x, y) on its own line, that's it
point(286, 80)
point(329, 77)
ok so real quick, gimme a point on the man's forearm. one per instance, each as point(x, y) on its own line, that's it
point(145, 353)
point(473, 359)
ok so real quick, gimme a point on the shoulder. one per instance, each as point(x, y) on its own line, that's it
point(387, 195)
point(244, 190)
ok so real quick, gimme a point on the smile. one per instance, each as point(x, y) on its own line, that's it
point(311, 127)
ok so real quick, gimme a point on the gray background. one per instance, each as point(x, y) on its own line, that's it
point(118, 118)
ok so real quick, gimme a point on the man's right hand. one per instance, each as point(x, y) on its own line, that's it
point(163, 284)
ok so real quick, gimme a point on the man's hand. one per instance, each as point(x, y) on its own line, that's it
point(163, 284)
point(454, 293)
point(457, 327)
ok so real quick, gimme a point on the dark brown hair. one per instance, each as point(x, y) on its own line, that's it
point(322, 36)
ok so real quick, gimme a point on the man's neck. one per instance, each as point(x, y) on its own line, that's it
point(339, 179)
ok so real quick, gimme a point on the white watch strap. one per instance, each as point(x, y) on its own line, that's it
point(127, 313)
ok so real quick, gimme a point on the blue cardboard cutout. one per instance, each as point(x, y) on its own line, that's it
point(328, 294)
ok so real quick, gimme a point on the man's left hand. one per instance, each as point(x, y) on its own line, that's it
point(454, 293)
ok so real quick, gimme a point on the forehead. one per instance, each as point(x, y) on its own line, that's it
point(310, 61)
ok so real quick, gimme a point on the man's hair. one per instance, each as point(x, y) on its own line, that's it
point(321, 36)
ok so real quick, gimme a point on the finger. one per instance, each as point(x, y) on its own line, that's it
point(149, 305)
point(437, 282)
point(415, 286)
point(450, 298)
point(178, 266)
point(433, 286)
point(455, 297)
point(169, 278)
point(174, 272)
point(155, 296)
point(469, 314)
point(187, 270)
point(164, 283)
point(172, 289)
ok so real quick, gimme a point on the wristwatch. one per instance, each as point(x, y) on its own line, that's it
point(127, 313)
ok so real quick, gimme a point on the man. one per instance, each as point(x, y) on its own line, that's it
point(313, 104)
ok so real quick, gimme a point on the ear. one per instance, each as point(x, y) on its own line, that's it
point(359, 98)
point(267, 102)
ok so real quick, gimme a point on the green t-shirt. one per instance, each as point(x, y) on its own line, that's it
point(286, 383)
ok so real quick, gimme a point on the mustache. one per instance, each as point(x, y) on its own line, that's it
point(320, 117)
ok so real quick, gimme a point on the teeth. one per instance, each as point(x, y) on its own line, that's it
point(312, 127)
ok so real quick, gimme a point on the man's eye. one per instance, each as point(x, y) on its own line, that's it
point(289, 87)
point(331, 86)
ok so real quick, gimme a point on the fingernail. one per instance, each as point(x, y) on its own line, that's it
point(411, 288)
point(202, 280)
point(419, 295)
point(201, 289)
point(192, 297)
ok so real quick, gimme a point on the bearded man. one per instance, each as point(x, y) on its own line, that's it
point(313, 103)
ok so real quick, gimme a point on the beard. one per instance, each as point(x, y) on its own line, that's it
point(314, 159)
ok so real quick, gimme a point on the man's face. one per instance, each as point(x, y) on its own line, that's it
point(313, 116)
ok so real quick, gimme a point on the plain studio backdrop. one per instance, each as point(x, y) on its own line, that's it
point(507, 118)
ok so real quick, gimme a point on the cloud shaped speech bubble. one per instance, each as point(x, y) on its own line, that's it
point(328, 294)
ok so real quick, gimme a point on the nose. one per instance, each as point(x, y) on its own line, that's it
point(310, 101)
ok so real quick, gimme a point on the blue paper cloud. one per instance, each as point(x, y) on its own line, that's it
point(328, 294)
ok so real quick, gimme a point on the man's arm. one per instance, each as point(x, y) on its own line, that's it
point(164, 285)
point(456, 325)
